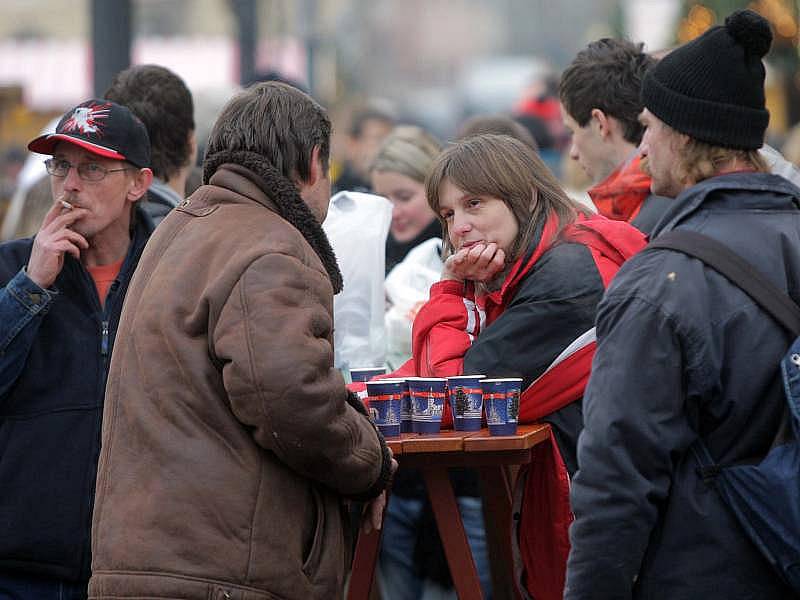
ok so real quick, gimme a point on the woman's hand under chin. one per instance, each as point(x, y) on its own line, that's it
point(480, 262)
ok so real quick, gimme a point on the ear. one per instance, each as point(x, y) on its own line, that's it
point(315, 171)
point(192, 148)
point(141, 180)
point(603, 122)
point(679, 141)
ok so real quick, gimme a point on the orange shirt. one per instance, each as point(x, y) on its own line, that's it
point(104, 276)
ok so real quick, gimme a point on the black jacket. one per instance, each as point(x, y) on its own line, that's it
point(683, 354)
point(651, 212)
point(554, 304)
point(50, 418)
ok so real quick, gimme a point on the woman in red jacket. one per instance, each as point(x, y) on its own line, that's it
point(525, 268)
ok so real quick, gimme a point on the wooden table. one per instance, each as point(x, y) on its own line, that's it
point(433, 454)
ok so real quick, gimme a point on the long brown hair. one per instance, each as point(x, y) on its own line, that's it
point(502, 167)
point(698, 161)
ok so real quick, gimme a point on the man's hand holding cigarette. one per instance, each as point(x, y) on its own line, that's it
point(54, 239)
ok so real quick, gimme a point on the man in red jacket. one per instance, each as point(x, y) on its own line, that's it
point(600, 105)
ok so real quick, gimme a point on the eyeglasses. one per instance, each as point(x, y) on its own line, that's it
point(86, 171)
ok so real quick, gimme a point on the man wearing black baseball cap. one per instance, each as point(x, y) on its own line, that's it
point(60, 304)
point(684, 357)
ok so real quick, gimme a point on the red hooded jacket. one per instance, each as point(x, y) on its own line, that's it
point(445, 330)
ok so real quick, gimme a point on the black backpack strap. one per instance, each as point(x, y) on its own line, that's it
point(737, 270)
point(742, 274)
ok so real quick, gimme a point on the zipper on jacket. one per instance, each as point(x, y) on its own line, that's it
point(104, 339)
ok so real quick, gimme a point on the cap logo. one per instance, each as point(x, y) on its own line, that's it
point(88, 119)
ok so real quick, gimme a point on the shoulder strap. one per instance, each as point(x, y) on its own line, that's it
point(737, 270)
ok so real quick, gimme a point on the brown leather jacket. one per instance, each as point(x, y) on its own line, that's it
point(229, 440)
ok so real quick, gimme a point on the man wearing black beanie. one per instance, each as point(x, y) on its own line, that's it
point(683, 355)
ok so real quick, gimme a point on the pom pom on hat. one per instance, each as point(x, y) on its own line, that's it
point(712, 88)
point(751, 31)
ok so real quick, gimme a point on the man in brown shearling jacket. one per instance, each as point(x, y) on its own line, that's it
point(229, 440)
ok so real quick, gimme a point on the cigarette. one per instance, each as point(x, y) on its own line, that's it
point(66, 205)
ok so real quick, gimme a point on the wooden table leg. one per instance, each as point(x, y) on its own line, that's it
point(451, 530)
point(362, 575)
point(497, 505)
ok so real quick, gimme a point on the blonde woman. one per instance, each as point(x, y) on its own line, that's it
point(398, 173)
point(413, 246)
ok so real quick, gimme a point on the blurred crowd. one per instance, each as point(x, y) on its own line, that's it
point(144, 445)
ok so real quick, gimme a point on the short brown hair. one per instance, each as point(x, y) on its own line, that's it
point(502, 167)
point(607, 75)
point(277, 121)
point(164, 104)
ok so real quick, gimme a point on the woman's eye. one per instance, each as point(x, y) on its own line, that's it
point(473, 202)
point(446, 215)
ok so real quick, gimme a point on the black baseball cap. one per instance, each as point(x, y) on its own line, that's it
point(103, 128)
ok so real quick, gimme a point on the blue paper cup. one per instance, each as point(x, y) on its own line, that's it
point(497, 399)
point(365, 373)
point(427, 403)
point(405, 410)
point(385, 397)
point(466, 401)
point(513, 393)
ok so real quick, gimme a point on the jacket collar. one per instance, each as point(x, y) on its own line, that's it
point(143, 227)
point(542, 240)
point(620, 195)
point(694, 198)
point(610, 242)
point(164, 194)
point(243, 181)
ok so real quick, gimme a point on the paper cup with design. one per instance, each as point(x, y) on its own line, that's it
point(500, 420)
point(513, 393)
point(427, 403)
point(405, 410)
point(365, 373)
point(385, 396)
point(466, 401)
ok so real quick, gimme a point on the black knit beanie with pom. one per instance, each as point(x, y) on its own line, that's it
point(712, 88)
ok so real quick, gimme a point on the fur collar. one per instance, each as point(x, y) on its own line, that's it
point(283, 193)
